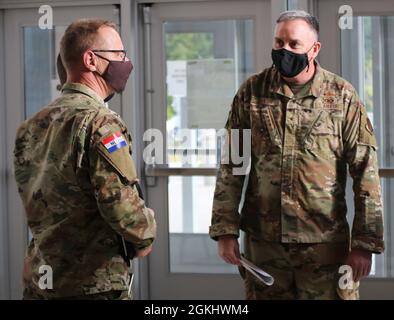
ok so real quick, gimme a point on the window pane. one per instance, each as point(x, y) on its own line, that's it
point(40, 68)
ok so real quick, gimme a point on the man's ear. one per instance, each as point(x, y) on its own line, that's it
point(316, 49)
point(89, 61)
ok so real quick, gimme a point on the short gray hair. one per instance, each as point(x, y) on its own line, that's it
point(300, 14)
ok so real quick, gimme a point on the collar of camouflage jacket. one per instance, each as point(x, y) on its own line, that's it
point(280, 87)
point(79, 87)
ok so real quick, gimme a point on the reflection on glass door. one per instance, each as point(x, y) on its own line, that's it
point(41, 82)
point(366, 52)
point(206, 62)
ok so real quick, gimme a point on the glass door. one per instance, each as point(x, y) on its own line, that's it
point(200, 53)
point(31, 83)
point(362, 50)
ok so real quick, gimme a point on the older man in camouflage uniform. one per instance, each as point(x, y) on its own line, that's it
point(77, 179)
point(308, 125)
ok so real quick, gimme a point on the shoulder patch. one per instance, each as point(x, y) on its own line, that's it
point(369, 126)
point(114, 141)
point(366, 134)
point(116, 149)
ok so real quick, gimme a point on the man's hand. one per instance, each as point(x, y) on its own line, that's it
point(360, 261)
point(229, 249)
point(144, 252)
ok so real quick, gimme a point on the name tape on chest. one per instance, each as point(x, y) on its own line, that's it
point(114, 142)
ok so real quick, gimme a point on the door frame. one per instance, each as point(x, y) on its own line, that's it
point(163, 283)
point(4, 234)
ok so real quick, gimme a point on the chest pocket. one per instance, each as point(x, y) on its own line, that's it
point(265, 132)
point(323, 128)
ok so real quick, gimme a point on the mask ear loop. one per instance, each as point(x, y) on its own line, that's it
point(307, 68)
point(100, 56)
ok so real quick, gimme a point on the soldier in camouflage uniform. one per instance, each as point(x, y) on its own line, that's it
point(77, 179)
point(307, 126)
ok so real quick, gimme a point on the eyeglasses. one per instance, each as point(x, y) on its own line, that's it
point(122, 55)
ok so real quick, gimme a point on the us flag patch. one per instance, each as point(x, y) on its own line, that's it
point(114, 142)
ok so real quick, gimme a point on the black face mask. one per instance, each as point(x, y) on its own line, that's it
point(288, 63)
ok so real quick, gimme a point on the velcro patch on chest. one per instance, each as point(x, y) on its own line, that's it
point(114, 142)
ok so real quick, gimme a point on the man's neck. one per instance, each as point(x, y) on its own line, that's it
point(90, 80)
point(305, 76)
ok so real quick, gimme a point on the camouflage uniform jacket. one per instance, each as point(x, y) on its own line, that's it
point(301, 147)
point(76, 178)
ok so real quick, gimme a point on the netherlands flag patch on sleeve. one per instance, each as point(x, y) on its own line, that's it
point(114, 142)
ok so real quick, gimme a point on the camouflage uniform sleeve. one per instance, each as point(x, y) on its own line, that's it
point(113, 176)
point(225, 216)
point(360, 152)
